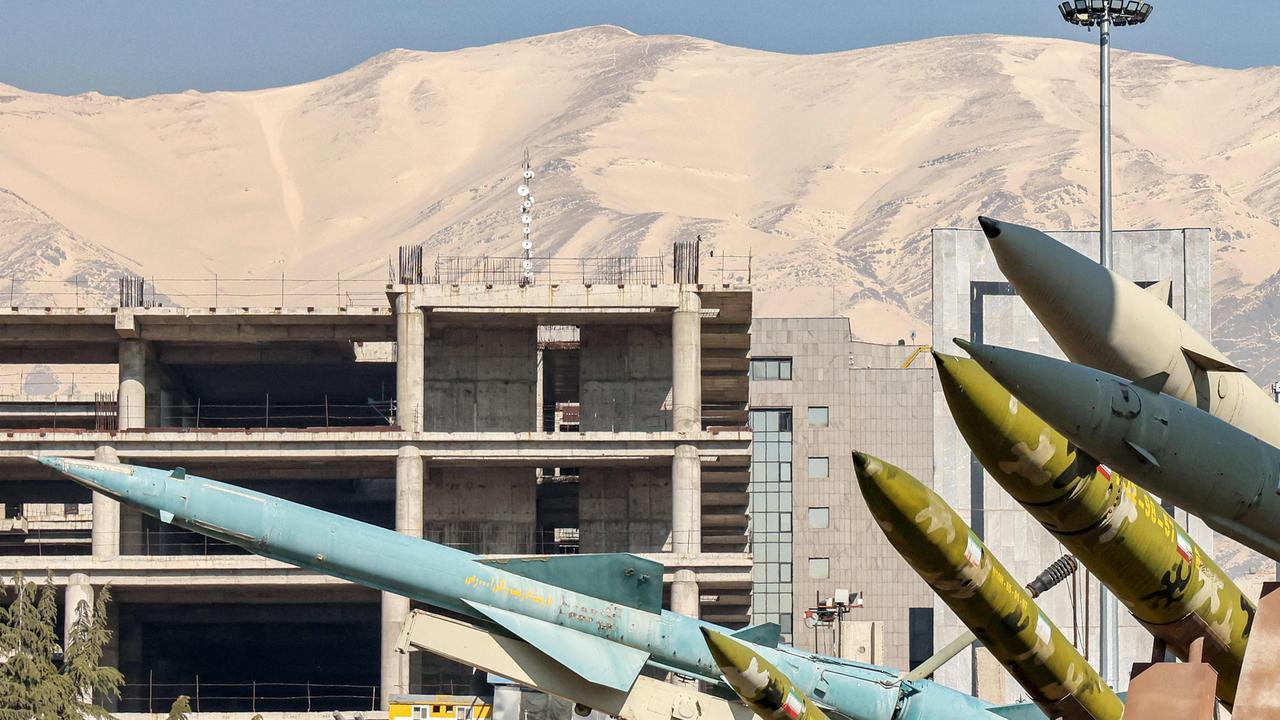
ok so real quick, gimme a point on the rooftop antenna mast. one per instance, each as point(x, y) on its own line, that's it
point(526, 218)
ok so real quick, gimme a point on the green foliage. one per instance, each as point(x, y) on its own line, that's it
point(180, 709)
point(33, 686)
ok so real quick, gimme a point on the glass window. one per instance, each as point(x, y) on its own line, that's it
point(819, 518)
point(818, 467)
point(919, 634)
point(771, 369)
point(818, 417)
point(770, 502)
point(819, 568)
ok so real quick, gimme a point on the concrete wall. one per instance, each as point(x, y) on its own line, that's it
point(873, 405)
point(626, 378)
point(624, 509)
point(971, 299)
point(481, 379)
point(481, 509)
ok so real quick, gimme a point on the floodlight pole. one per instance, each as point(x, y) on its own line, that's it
point(1104, 169)
point(1108, 621)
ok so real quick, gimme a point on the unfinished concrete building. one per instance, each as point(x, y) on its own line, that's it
point(502, 418)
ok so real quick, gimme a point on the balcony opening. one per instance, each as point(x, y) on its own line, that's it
point(559, 352)
point(556, 521)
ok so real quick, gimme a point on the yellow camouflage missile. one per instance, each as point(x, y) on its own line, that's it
point(1114, 527)
point(942, 549)
point(763, 687)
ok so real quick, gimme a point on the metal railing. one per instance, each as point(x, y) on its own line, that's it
point(483, 269)
point(282, 291)
point(268, 414)
point(153, 697)
point(719, 269)
point(212, 292)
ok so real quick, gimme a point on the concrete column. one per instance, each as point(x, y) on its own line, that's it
point(685, 598)
point(686, 364)
point(411, 365)
point(686, 413)
point(686, 501)
point(132, 396)
point(105, 534)
point(410, 472)
point(78, 591)
point(395, 665)
point(409, 494)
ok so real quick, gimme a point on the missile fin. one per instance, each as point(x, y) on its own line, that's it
point(1162, 290)
point(1154, 383)
point(620, 578)
point(766, 634)
point(1147, 457)
point(590, 657)
point(1205, 362)
point(166, 517)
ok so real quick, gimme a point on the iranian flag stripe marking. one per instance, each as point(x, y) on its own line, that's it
point(793, 707)
point(1184, 546)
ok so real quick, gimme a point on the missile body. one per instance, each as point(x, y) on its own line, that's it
point(1114, 527)
point(599, 616)
point(1187, 456)
point(764, 688)
point(1105, 321)
point(939, 546)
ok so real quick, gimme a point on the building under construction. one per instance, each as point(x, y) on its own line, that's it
point(601, 407)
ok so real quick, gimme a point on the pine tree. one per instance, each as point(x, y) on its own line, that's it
point(89, 635)
point(33, 686)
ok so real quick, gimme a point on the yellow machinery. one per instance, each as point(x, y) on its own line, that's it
point(439, 707)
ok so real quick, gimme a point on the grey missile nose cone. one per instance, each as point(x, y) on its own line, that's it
point(1067, 396)
point(990, 227)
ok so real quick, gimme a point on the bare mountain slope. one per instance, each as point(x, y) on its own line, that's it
point(829, 169)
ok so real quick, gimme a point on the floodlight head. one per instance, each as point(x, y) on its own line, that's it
point(1087, 13)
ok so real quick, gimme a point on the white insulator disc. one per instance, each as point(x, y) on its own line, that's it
point(528, 174)
point(531, 200)
point(525, 229)
point(526, 204)
point(526, 218)
point(523, 190)
point(527, 264)
point(526, 244)
point(528, 275)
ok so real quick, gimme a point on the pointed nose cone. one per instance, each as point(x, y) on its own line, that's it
point(722, 650)
point(56, 463)
point(1066, 396)
point(955, 372)
point(748, 673)
point(1016, 246)
point(892, 495)
point(108, 478)
point(990, 228)
point(971, 392)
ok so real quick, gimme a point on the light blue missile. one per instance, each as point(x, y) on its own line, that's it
point(599, 616)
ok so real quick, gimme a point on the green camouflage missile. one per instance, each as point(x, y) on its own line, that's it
point(942, 549)
point(1114, 527)
point(764, 688)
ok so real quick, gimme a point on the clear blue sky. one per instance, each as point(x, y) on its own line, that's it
point(139, 48)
